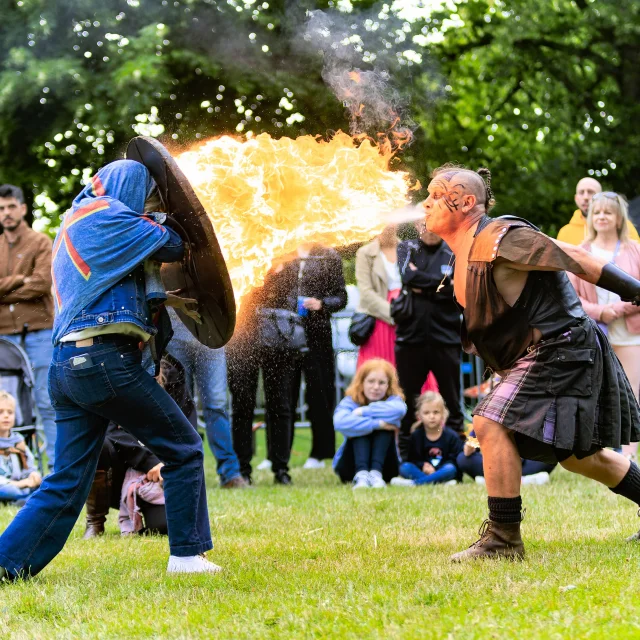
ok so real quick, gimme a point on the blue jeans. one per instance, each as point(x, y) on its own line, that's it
point(11, 493)
point(209, 369)
point(40, 350)
point(443, 473)
point(114, 387)
point(370, 452)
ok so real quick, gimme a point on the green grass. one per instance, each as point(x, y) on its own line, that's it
point(315, 560)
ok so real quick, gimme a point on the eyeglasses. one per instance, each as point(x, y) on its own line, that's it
point(611, 195)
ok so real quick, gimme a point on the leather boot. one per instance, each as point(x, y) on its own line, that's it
point(98, 504)
point(497, 540)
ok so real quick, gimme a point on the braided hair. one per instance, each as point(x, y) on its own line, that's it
point(485, 174)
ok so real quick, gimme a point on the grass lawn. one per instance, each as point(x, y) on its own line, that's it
point(315, 560)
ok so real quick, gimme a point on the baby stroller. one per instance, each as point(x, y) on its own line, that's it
point(17, 379)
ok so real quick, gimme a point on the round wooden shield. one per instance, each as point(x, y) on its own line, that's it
point(203, 273)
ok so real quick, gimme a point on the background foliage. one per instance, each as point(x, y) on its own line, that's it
point(542, 92)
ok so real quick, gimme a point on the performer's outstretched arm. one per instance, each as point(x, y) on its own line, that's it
point(586, 267)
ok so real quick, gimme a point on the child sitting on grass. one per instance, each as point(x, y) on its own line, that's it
point(18, 475)
point(369, 417)
point(434, 447)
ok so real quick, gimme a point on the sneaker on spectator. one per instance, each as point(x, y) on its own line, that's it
point(536, 478)
point(361, 480)
point(265, 465)
point(402, 482)
point(314, 463)
point(450, 483)
point(376, 481)
point(480, 480)
point(191, 564)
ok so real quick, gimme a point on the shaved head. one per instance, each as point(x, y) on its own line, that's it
point(585, 190)
point(457, 197)
point(589, 183)
point(467, 181)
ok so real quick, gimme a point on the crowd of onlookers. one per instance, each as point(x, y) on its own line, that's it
point(401, 418)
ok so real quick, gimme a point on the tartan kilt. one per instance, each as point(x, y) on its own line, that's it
point(568, 396)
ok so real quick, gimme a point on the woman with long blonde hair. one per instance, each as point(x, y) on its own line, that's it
point(608, 238)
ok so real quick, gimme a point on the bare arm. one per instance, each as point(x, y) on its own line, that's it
point(588, 268)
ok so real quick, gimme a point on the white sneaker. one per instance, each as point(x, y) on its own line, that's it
point(450, 483)
point(402, 482)
point(376, 481)
point(191, 564)
point(361, 480)
point(480, 480)
point(536, 478)
point(265, 465)
point(313, 463)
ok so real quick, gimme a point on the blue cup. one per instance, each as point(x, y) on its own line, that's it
point(303, 312)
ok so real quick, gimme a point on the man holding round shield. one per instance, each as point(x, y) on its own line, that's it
point(108, 304)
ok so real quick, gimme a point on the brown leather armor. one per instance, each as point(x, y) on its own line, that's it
point(499, 333)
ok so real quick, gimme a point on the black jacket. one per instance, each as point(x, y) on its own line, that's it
point(321, 278)
point(436, 316)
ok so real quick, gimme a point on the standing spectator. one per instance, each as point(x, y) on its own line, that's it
point(19, 477)
point(429, 341)
point(245, 357)
point(208, 369)
point(576, 231)
point(25, 299)
point(378, 279)
point(319, 284)
point(369, 416)
point(608, 238)
point(434, 447)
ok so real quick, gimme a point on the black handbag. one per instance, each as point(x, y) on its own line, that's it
point(361, 328)
point(402, 305)
point(281, 330)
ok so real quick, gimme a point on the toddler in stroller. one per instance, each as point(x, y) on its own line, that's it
point(19, 477)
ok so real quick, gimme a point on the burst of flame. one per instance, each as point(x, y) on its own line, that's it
point(268, 196)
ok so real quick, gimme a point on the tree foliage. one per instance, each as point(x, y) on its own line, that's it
point(542, 92)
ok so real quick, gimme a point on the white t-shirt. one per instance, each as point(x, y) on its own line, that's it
point(619, 335)
point(394, 281)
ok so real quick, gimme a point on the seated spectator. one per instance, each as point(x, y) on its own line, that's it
point(434, 447)
point(19, 477)
point(369, 417)
point(469, 461)
point(127, 469)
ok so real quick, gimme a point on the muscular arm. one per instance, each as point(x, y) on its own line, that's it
point(553, 255)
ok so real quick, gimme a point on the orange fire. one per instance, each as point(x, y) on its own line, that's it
point(267, 196)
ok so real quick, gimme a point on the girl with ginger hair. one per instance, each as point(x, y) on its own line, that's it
point(369, 417)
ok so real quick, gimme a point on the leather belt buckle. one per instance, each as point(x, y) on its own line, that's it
point(85, 343)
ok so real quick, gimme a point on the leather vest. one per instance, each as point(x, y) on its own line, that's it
point(497, 332)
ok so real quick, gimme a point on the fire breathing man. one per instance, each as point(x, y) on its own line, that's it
point(106, 304)
point(563, 396)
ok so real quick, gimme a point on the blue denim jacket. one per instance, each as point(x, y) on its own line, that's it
point(126, 301)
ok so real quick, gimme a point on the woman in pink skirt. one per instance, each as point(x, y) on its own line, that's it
point(378, 280)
